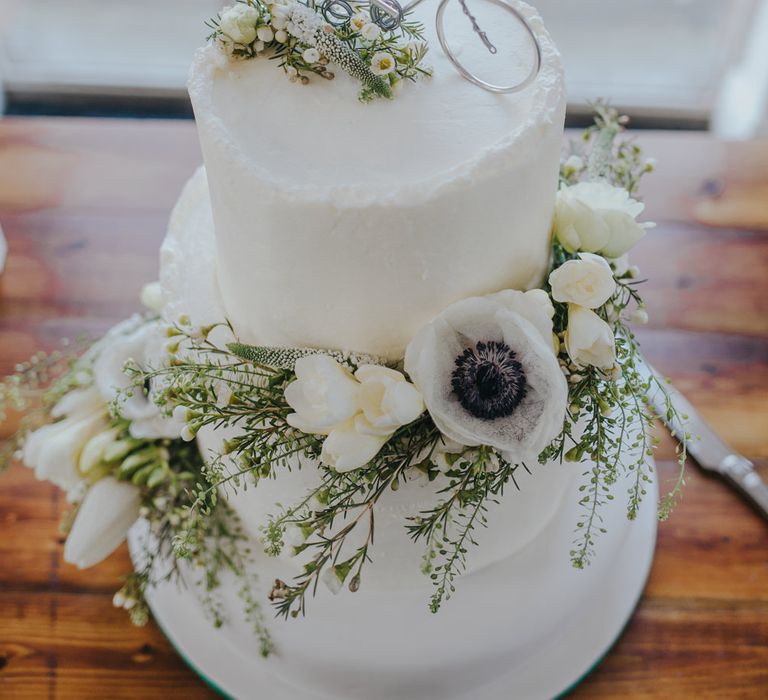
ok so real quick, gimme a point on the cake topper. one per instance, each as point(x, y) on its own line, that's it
point(388, 15)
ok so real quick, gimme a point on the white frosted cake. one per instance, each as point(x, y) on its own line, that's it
point(318, 221)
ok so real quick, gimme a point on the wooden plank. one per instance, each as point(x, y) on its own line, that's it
point(85, 204)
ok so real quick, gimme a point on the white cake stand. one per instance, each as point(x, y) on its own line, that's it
point(552, 664)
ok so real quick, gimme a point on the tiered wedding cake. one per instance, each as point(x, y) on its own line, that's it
point(388, 359)
point(319, 221)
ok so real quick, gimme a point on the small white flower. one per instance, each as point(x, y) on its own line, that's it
point(488, 373)
point(311, 55)
point(371, 31)
point(596, 217)
point(152, 297)
point(239, 22)
point(639, 316)
point(324, 395)
point(265, 34)
point(107, 512)
point(282, 36)
point(359, 21)
point(332, 579)
point(118, 600)
point(574, 163)
point(589, 340)
point(588, 282)
point(382, 63)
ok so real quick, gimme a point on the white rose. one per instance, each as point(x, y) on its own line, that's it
point(239, 22)
point(588, 282)
point(598, 218)
point(106, 514)
point(488, 373)
point(323, 396)
point(54, 450)
point(387, 399)
point(589, 340)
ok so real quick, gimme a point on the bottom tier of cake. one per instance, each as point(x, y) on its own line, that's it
point(527, 627)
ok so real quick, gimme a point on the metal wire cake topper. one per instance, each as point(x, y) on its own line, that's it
point(388, 14)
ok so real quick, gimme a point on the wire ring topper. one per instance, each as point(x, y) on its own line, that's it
point(388, 14)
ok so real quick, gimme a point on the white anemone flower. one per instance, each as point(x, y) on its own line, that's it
point(488, 373)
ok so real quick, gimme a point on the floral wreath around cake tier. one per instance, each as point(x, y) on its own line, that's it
point(491, 386)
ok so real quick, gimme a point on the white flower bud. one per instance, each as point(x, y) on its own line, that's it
point(118, 600)
point(311, 55)
point(639, 316)
point(187, 433)
point(265, 34)
point(282, 36)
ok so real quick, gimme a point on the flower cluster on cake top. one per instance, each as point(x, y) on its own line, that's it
point(298, 35)
point(492, 385)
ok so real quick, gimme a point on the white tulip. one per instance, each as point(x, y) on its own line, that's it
point(387, 399)
point(589, 340)
point(53, 451)
point(324, 395)
point(351, 445)
point(487, 370)
point(587, 282)
point(239, 22)
point(598, 218)
point(106, 514)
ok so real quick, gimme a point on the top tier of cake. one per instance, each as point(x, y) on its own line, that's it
point(349, 225)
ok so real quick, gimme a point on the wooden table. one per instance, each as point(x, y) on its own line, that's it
point(84, 205)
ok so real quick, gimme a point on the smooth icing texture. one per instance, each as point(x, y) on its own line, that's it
point(348, 225)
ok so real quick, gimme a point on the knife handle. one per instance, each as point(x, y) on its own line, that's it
point(740, 472)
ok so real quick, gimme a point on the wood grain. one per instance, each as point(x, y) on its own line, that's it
point(84, 204)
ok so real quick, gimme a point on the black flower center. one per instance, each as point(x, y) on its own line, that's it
point(488, 380)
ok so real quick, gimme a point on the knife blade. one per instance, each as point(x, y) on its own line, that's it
point(706, 447)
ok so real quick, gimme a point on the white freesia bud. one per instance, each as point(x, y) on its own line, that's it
point(588, 339)
point(187, 433)
point(239, 22)
point(282, 36)
point(152, 297)
point(639, 316)
point(265, 34)
point(587, 282)
point(598, 218)
point(388, 400)
point(350, 446)
point(324, 395)
point(107, 512)
point(118, 600)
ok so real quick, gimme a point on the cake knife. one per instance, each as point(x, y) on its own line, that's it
point(707, 448)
